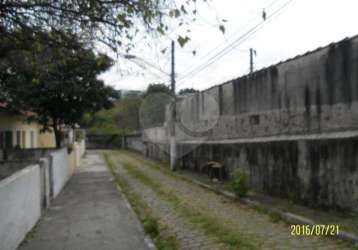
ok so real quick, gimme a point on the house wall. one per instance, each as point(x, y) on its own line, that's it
point(20, 206)
point(47, 140)
point(18, 123)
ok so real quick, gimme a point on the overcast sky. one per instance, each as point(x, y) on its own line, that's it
point(301, 26)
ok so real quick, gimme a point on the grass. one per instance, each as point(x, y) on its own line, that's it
point(151, 224)
point(203, 219)
point(209, 224)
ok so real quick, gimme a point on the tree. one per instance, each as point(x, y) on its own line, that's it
point(58, 84)
point(114, 23)
point(122, 118)
point(157, 88)
point(153, 109)
point(187, 91)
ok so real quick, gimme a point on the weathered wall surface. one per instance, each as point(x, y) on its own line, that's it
point(314, 172)
point(135, 142)
point(314, 93)
point(20, 206)
point(293, 127)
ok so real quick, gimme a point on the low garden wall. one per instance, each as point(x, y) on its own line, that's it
point(20, 206)
point(27, 184)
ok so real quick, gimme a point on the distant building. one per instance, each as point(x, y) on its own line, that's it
point(130, 93)
point(17, 132)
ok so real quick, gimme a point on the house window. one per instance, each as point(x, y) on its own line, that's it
point(1, 139)
point(32, 139)
point(23, 137)
point(8, 139)
point(18, 138)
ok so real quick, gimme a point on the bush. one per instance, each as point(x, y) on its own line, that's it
point(70, 148)
point(166, 244)
point(151, 226)
point(239, 183)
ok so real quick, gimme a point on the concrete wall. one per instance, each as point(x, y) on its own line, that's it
point(59, 170)
point(314, 93)
point(316, 172)
point(20, 206)
point(293, 127)
point(25, 190)
point(135, 142)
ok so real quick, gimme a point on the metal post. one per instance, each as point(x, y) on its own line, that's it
point(173, 114)
point(252, 53)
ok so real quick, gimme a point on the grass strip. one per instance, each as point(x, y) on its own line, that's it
point(163, 167)
point(151, 224)
point(209, 224)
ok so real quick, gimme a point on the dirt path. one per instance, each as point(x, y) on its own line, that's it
point(222, 220)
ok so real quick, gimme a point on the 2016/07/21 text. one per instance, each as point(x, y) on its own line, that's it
point(317, 230)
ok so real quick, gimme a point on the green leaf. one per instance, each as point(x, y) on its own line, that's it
point(222, 28)
point(183, 40)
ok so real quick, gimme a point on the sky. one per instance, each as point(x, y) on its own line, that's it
point(292, 27)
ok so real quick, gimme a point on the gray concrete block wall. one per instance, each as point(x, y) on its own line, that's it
point(135, 143)
point(59, 170)
point(20, 206)
point(314, 93)
point(317, 173)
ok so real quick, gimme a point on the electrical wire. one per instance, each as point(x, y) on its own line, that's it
point(235, 43)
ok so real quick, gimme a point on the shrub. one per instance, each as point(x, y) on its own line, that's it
point(166, 244)
point(151, 226)
point(70, 148)
point(275, 216)
point(239, 183)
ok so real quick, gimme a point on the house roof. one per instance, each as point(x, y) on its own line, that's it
point(4, 106)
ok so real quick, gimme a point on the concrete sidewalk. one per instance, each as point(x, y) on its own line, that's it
point(88, 214)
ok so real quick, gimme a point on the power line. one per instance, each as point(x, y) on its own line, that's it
point(235, 43)
point(238, 31)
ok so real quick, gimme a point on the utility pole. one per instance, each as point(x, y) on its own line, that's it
point(173, 148)
point(252, 53)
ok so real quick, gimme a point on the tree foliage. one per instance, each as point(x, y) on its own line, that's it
point(114, 22)
point(153, 108)
point(187, 91)
point(122, 118)
point(59, 84)
point(157, 88)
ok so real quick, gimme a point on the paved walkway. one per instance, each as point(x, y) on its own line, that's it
point(88, 214)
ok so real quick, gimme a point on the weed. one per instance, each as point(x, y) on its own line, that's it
point(168, 243)
point(275, 216)
point(151, 226)
point(209, 224)
point(239, 183)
